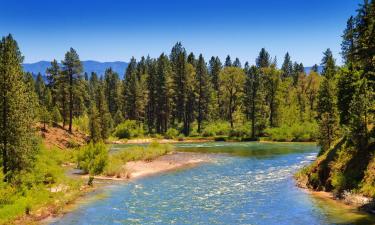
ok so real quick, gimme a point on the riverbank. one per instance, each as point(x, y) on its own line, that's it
point(345, 172)
point(136, 170)
point(165, 163)
point(194, 140)
point(346, 200)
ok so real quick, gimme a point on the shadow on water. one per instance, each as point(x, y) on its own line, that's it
point(342, 214)
point(249, 149)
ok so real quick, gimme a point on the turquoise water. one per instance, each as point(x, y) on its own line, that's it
point(247, 183)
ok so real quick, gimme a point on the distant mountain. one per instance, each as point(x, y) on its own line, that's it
point(88, 66)
point(308, 69)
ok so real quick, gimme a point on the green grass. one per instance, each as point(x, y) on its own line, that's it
point(120, 158)
point(30, 191)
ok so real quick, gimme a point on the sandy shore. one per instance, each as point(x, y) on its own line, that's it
point(347, 200)
point(165, 163)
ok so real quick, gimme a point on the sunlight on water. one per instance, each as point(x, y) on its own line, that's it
point(248, 183)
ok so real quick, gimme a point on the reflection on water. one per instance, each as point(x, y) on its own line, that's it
point(255, 188)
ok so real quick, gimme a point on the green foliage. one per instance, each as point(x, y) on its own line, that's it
point(81, 123)
point(128, 129)
point(56, 116)
point(149, 152)
point(216, 128)
point(45, 185)
point(93, 158)
point(171, 133)
point(115, 167)
point(18, 145)
point(296, 132)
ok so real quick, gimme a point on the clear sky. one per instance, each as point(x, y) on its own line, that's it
point(115, 30)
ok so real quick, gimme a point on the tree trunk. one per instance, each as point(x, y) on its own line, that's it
point(230, 112)
point(253, 117)
point(70, 102)
point(5, 141)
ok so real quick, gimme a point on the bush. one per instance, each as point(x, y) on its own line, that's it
point(56, 115)
point(82, 123)
point(114, 167)
point(216, 128)
point(128, 129)
point(149, 152)
point(297, 132)
point(92, 159)
point(171, 133)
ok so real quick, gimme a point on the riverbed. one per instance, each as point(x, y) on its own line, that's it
point(244, 183)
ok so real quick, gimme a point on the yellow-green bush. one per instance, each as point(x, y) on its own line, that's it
point(297, 132)
point(128, 129)
point(82, 123)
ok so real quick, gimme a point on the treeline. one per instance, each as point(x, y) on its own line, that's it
point(182, 93)
point(346, 99)
point(345, 114)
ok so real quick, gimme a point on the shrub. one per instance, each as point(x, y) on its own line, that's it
point(216, 128)
point(171, 133)
point(56, 115)
point(92, 159)
point(114, 167)
point(149, 152)
point(82, 123)
point(297, 132)
point(128, 129)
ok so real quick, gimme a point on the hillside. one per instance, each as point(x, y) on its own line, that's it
point(343, 170)
point(61, 138)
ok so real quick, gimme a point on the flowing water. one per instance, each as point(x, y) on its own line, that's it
point(247, 183)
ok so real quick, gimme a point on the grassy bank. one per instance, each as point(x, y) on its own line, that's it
point(43, 191)
point(343, 168)
point(117, 160)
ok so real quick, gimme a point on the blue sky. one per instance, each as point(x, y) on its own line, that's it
point(115, 30)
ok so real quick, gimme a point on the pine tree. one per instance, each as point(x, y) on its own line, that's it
point(130, 90)
point(313, 83)
point(349, 43)
point(228, 61)
point(152, 95)
point(327, 114)
point(214, 71)
point(94, 124)
point(315, 68)
point(359, 111)
point(191, 59)
point(53, 74)
point(105, 119)
point(17, 112)
point(163, 86)
point(179, 77)
point(112, 90)
point(329, 65)
point(203, 91)
point(264, 59)
point(251, 98)
point(72, 69)
point(346, 87)
point(237, 63)
point(287, 66)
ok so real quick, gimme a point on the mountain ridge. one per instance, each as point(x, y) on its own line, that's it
point(89, 66)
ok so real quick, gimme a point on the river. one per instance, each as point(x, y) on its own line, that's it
point(247, 183)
